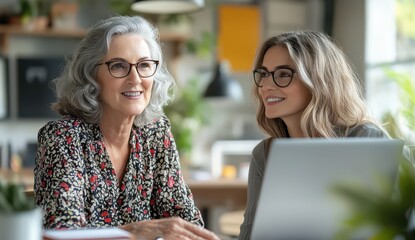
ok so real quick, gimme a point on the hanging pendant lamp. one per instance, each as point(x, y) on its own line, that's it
point(167, 6)
point(222, 85)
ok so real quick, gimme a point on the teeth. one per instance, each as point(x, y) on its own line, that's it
point(131, 94)
point(275, 99)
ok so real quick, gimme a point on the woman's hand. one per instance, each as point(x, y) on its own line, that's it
point(167, 229)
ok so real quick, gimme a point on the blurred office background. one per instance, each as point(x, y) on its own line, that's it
point(36, 36)
point(216, 138)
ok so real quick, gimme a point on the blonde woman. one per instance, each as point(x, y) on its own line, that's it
point(305, 88)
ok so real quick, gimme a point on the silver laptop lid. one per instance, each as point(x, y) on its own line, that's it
point(297, 201)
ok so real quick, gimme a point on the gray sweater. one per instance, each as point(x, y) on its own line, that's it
point(257, 169)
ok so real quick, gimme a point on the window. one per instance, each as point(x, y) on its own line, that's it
point(390, 46)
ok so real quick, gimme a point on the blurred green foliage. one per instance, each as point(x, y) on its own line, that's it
point(386, 212)
point(405, 17)
point(13, 198)
point(187, 113)
point(202, 47)
point(389, 212)
point(406, 111)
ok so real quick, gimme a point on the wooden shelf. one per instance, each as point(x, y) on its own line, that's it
point(47, 32)
point(24, 176)
point(8, 31)
point(73, 33)
point(14, 30)
point(171, 37)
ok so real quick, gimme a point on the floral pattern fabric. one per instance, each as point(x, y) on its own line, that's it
point(76, 185)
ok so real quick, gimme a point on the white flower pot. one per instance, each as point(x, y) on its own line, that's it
point(25, 225)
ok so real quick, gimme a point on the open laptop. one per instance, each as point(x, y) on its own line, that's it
point(297, 201)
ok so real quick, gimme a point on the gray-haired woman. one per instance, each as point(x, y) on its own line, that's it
point(111, 160)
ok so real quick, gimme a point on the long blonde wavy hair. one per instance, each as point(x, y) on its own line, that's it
point(337, 101)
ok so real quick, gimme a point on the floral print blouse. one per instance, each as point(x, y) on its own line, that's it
point(76, 185)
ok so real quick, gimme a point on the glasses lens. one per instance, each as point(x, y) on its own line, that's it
point(146, 68)
point(259, 74)
point(283, 77)
point(119, 69)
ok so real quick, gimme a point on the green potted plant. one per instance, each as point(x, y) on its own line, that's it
point(20, 219)
point(402, 124)
point(175, 24)
point(390, 211)
point(187, 114)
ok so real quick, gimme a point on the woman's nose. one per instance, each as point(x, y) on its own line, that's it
point(268, 82)
point(134, 77)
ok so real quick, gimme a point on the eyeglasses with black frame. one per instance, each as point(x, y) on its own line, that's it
point(282, 76)
point(120, 69)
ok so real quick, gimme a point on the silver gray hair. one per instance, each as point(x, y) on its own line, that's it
point(77, 90)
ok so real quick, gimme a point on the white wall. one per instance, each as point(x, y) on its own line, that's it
point(349, 32)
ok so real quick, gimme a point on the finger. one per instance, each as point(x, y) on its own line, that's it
point(143, 230)
point(177, 228)
point(200, 231)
